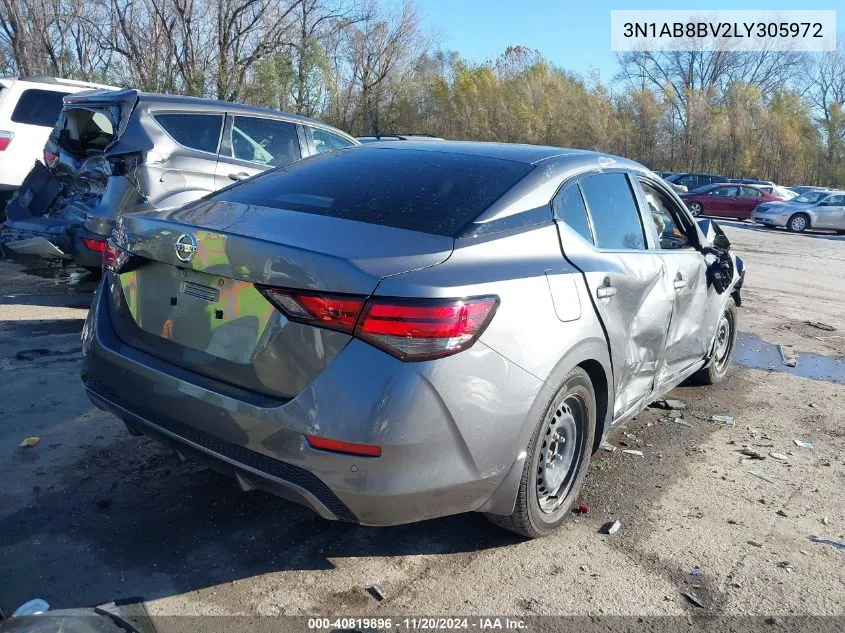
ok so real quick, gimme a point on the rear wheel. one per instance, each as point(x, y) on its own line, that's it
point(798, 223)
point(557, 460)
point(722, 350)
point(695, 209)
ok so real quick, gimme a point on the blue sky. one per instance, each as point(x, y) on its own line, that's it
point(573, 34)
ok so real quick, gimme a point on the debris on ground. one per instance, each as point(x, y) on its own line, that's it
point(787, 353)
point(629, 451)
point(819, 325)
point(825, 521)
point(784, 564)
point(676, 414)
point(763, 476)
point(827, 541)
point(695, 571)
point(801, 444)
point(781, 513)
point(607, 447)
point(29, 442)
point(682, 422)
point(583, 508)
point(669, 404)
point(727, 420)
point(584, 568)
point(693, 599)
point(779, 456)
point(754, 544)
point(376, 592)
point(751, 453)
point(611, 527)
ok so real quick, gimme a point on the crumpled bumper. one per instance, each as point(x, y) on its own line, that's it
point(43, 242)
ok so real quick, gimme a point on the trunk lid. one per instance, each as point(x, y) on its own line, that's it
point(206, 315)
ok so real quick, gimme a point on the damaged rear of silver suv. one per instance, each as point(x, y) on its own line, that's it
point(117, 152)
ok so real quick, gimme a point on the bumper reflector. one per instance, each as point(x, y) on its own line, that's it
point(348, 448)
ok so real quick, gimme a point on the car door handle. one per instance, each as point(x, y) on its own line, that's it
point(606, 290)
point(241, 175)
point(679, 282)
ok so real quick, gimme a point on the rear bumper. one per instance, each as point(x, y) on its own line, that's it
point(29, 247)
point(450, 431)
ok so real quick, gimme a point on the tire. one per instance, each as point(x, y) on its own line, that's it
point(695, 209)
point(572, 411)
point(798, 223)
point(717, 368)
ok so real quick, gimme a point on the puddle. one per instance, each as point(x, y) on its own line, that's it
point(752, 351)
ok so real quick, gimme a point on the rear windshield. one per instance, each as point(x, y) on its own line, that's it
point(430, 192)
point(86, 130)
point(38, 107)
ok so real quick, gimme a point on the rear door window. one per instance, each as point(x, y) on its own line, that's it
point(38, 107)
point(194, 131)
point(326, 141)
point(264, 141)
point(426, 191)
point(613, 209)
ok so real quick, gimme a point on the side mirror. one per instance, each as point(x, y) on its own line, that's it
point(721, 241)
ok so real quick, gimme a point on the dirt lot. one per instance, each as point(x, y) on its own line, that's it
point(91, 514)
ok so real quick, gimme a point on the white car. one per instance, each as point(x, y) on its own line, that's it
point(29, 108)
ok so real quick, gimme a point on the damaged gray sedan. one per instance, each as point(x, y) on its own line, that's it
point(117, 152)
point(400, 331)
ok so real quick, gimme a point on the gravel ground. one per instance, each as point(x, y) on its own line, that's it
point(91, 515)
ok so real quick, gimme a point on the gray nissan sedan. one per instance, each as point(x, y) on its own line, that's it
point(400, 331)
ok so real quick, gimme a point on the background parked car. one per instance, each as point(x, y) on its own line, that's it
point(726, 200)
point(814, 209)
point(665, 175)
point(800, 189)
point(28, 110)
point(694, 181)
point(116, 152)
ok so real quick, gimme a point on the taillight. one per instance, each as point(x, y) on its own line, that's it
point(5, 139)
point(94, 245)
point(423, 330)
point(114, 257)
point(50, 159)
point(408, 329)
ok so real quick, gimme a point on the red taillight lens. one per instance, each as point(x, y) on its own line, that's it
point(407, 329)
point(5, 139)
point(50, 159)
point(114, 257)
point(336, 312)
point(427, 329)
point(350, 448)
point(94, 245)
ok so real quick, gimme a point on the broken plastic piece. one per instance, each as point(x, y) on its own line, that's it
point(629, 451)
point(763, 476)
point(724, 419)
point(695, 571)
point(750, 452)
point(29, 442)
point(583, 508)
point(821, 326)
point(607, 447)
point(31, 607)
point(376, 592)
point(694, 599)
point(682, 422)
point(779, 456)
point(669, 404)
point(801, 444)
point(827, 541)
point(611, 527)
point(787, 353)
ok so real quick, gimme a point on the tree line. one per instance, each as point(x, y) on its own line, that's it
point(369, 68)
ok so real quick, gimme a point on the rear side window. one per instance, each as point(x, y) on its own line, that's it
point(426, 191)
point(616, 219)
point(264, 141)
point(38, 107)
point(326, 141)
point(569, 207)
point(86, 130)
point(195, 131)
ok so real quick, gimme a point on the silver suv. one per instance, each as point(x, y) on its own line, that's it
point(117, 152)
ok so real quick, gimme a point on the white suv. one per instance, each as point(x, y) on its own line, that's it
point(29, 108)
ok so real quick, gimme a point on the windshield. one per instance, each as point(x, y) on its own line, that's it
point(811, 196)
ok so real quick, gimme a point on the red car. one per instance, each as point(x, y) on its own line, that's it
point(727, 200)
